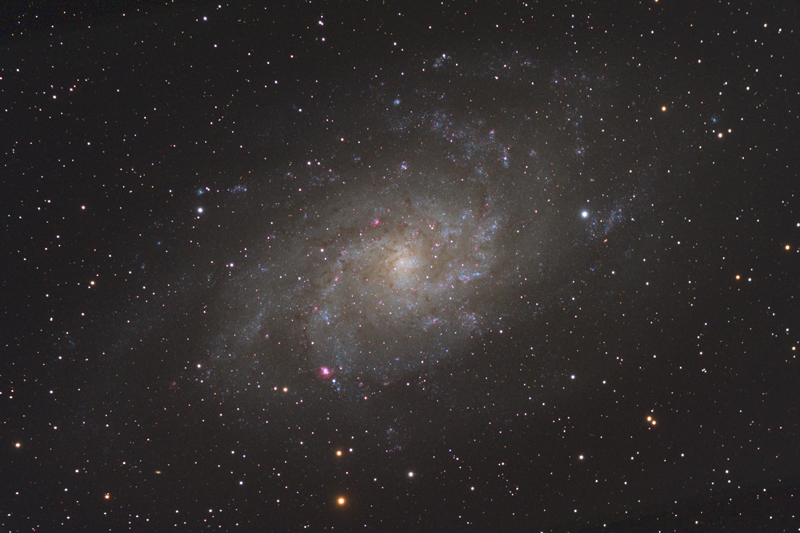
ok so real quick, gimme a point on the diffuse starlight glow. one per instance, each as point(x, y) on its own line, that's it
point(404, 275)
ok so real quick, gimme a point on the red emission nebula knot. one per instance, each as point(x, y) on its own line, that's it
point(324, 372)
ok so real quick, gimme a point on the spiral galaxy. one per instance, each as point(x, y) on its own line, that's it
point(413, 225)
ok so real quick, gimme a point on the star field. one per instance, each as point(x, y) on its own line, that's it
point(488, 267)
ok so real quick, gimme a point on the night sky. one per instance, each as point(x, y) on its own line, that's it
point(376, 266)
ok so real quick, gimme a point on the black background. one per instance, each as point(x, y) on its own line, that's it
point(114, 119)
